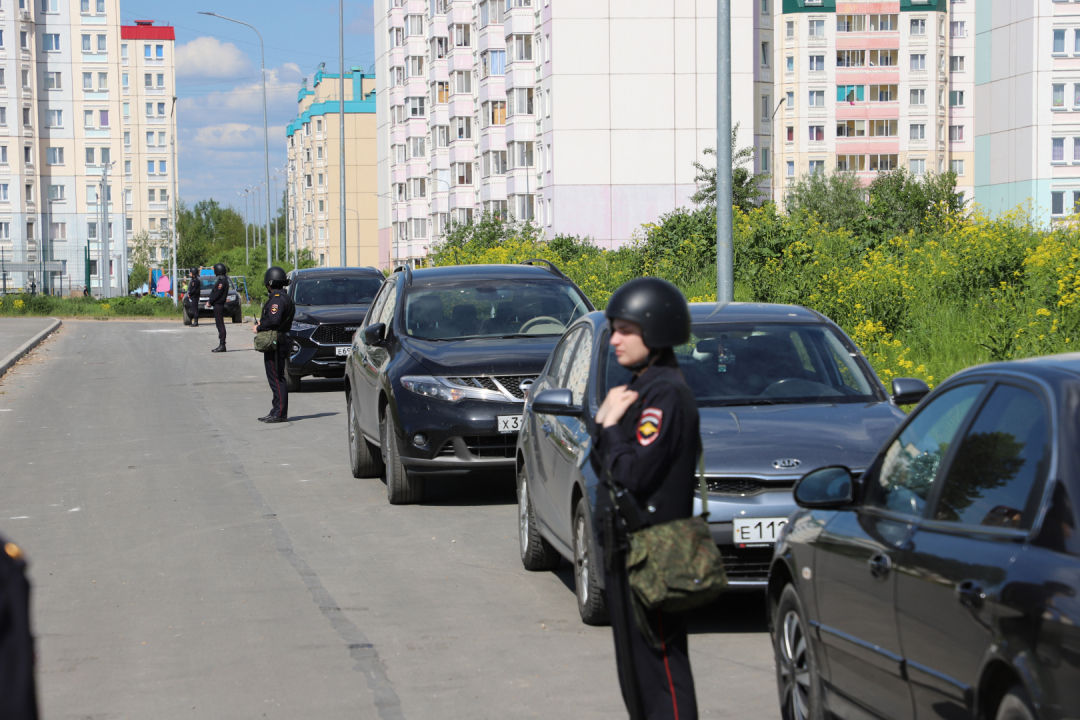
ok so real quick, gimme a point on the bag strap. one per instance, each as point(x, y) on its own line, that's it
point(703, 486)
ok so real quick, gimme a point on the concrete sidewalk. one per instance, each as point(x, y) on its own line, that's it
point(15, 333)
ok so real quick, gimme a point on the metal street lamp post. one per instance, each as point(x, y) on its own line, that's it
point(725, 285)
point(341, 127)
point(266, 133)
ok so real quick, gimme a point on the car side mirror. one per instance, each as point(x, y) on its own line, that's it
point(374, 334)
point(827, 488)
point(908, 391)
point(556, 401)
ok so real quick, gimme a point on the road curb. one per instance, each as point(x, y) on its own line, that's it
point(26, 347)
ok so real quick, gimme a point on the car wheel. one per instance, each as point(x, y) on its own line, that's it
point(1016, 706)
point(536, 552)
point(401, 489)
point(364, 462)
point(797, 677)
point(238, 316)
point(292, 381)
point(187, 318)
point(590, 598)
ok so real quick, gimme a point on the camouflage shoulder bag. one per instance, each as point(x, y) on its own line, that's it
point(676, 566)
point(266, 341)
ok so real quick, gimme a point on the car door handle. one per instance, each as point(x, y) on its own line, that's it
point(970, 594)
point(547, 427)
point(880, 565)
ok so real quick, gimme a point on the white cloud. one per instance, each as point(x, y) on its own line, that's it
point(208, 57)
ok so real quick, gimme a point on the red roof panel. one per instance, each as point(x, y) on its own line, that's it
point(147, 32)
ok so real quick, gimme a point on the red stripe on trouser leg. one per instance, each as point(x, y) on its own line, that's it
point(667, 667)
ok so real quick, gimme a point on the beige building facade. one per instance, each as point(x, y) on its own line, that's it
point(314, 171)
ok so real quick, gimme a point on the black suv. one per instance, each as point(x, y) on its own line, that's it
point(437, 378)
point(233, 308)
point(330, 305)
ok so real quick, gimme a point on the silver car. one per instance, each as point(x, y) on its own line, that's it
point(781, 391)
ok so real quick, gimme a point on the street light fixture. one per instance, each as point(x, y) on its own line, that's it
point(266, 133)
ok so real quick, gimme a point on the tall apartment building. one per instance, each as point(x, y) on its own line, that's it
point(585, 117)
point(871, 86)
point(63, 120)
point(314, 170)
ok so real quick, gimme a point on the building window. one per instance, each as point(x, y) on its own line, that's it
point(850, 58)
point(415, 106)
point(883, 93)
point(790, 29)
point(817, 63)
point(460, 35)
point(917, 96)
point(519, 101)
point(850, 23)
point(1059, 41)
point(1058, 149)
point(884, 128)
point(918, 61)
point(791, 168)
point(850, 163)
point(1057, 203)
point(851, 128)
point(956, 63)
point(850, 93)
point(791, 133)
point(54, 156)
point(957, 166)
point(56, 192)
point(461, 173)
point(764, 54)
point(790, 63)
point(789, 100)
point(917, 131)
point(816, 28)
point(883, 163)
point(52, 81)
point(918, 26)
point(957, 30)
point(1059, 95)
point(462, 81)
point(817, 133)
point(884, 23)
point(493, 113)
point(53, 118)
point(956, 97)
point(766, 106)
point(956, 133)
point(159, 51)
point(917, 167)
point(462, 128)
point(816, 98)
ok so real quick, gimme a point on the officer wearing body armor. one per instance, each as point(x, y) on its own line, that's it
point(194, 290)
point(277, 314)
point(216, 302)
point(646, 442)
point(18, 696)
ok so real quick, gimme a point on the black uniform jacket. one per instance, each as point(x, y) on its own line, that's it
point(220, 291)
point(193, 289)
point(277, 313)
point(18, 700)
point(653, 451)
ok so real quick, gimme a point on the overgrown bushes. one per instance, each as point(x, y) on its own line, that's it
point(22, 305)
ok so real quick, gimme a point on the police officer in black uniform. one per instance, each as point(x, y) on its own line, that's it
point(277, 314)
point(194, 289)
point(646, 441)
point(18, 697)
point(217, 303)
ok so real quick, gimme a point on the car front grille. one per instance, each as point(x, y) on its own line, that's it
point(506, 385)
point(745, 485)
point(746, 563)
point(334, 334)
point(492, 446)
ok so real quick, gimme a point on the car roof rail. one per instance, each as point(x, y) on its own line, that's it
point(408, 273)
point(550, 266)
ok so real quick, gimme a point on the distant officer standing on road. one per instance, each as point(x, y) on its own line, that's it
point(277, 314)
point(646, 441)
point(18, 697)
point(194, 289)
point(216, 302)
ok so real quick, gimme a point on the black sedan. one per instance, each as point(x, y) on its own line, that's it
point(779, 388)
point(330, 306)
point(437, 377)
point(944, 581)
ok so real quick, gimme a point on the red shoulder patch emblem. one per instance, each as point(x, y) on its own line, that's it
point(273, 309)
point(649, 425)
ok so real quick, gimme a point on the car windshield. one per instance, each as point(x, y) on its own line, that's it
point(492, 308)
point(765, 364)
point(341, 290)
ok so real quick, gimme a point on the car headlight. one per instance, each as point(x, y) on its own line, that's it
point(303, 326)
point(430, 387)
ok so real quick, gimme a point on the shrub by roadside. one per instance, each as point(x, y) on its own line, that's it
point(25, 305)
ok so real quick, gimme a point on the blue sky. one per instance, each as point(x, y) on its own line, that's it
point(219, 107)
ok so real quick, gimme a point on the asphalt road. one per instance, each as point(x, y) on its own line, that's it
point(16, 331)
point(191, 562)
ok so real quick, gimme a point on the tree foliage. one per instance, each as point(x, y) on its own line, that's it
point(745, 191)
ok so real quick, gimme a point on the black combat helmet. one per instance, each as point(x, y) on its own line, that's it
point(275, 277)
point(657, 306)
point(220, 269)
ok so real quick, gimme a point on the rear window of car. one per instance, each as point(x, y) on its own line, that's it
point(492, 308)
point(766, 363)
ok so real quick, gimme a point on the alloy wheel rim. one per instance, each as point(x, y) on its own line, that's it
point(794, 667)
point(581, 561)
point(352, 427)
point(523, 516)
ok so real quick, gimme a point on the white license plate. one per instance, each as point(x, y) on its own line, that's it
point(343, 350)
point(508, 423)
point(757, 531)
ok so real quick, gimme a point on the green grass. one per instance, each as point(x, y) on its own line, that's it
point(49, 305)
